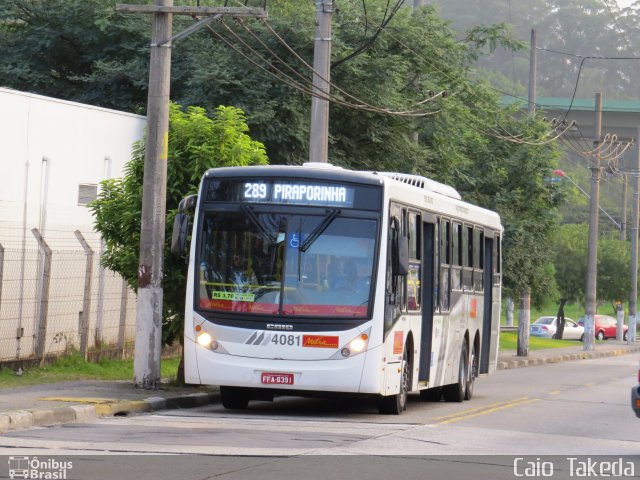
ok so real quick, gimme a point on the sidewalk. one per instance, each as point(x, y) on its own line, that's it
point(79, 401)
point(608, 348)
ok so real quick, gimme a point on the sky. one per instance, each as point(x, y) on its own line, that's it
point(624, 3)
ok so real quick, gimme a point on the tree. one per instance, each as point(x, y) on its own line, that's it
point(614, 271)
point(79, 50)
point(570, 251)
point(614, 266)
point(197, 142)
point(572, 28)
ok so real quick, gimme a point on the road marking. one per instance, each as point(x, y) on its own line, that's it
point(554, 392)
point(484, 410)
point(588, 384)
point(90, 400)
point(475, 409)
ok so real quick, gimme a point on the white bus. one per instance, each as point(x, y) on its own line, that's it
point(313, 278)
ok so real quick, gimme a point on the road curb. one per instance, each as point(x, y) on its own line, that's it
point(15, 420)
point(520, 362)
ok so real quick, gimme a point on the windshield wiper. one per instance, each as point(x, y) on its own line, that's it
point(331, 214)
point(251, 214)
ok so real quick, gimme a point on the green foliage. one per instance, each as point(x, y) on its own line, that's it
point(196, 142)
point(509, 341)
point(570, 250)
point(614, 265)
point(614, 271)
point(583, 28)
point(78, 50)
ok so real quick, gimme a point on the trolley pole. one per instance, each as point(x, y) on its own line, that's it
point(148, 341)
point(319, 131)
point(592, 249)
point(633, 297)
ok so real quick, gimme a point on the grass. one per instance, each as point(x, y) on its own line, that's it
point(509, 341)
point(571, 310)
point(74, 367)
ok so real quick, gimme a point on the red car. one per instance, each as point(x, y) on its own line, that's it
point(606, 327)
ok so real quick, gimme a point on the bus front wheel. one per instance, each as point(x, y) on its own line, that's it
point(457, 391)
point(234, 398)
point(396, 404)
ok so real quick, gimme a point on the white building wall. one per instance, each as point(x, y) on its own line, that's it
point(82, 144)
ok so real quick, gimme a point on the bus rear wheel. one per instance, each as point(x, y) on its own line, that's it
point(234, 398)
point(396, 404)
point(473, 373)
point(457, 391)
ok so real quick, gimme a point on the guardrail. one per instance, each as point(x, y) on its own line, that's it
point(505, 328)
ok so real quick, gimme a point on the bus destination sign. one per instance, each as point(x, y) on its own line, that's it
point(292, 192)
point(298, 193)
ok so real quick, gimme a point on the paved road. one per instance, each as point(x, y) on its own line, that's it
point(573, 408)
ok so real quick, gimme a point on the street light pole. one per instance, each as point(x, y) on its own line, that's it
point(592, 249)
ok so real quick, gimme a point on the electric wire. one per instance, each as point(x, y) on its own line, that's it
point(618, 28)
point(333, 86)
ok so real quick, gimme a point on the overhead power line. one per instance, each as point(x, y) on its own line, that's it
point(304, 84)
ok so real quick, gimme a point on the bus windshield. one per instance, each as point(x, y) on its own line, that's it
point(318, 265)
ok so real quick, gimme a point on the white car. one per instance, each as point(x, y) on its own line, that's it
point(546, 327)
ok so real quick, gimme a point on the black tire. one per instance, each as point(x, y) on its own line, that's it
point(396, 404)
point(600, 335)
point(473, 373)
point(582, 337)
point(456, 391)
point(234, 398)
point(624, 336)
point(431, 394)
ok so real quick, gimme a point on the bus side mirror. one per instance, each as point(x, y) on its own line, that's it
point(401, 256)
point(179, 235)
point(181, 225)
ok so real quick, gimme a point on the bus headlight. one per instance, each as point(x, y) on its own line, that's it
point(359, 344)
point(204, 339)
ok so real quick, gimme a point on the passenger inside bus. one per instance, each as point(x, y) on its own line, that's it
point(349, 278)
point(240, 274)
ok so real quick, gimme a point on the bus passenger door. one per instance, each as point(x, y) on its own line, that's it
point(490, 315)
point(429, 293)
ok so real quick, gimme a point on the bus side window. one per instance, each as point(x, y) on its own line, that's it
point(413, 278)
point(456, 260)
point(445, 262)
point(467, 260)
point(478, 260)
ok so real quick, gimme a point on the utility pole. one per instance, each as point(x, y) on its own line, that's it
point(533, 69)
point(592, 249)
point(633, 297)
point(319, 131)
point(148, 341)
point(623, 220)
point(524, 310)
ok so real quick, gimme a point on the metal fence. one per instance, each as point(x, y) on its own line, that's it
point(56, 300)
